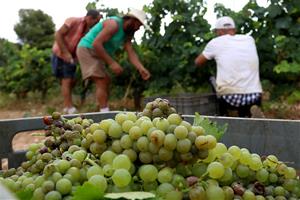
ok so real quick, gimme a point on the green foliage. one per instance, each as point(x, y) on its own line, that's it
point(28, 70)
point(35, 28)
point(211, 128)
point(179, 33)
point(87, 191)
point(130, 195)
point(7, 50)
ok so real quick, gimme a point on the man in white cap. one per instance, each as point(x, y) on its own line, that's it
point(96, 49)
point(238, 82)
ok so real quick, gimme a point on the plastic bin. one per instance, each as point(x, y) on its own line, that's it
point(188, 104)
point(261, 136)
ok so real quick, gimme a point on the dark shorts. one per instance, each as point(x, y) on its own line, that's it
point(62, 69)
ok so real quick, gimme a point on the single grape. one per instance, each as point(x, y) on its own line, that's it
point(121, 177)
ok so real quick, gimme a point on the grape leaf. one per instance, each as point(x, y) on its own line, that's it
point(88, 191)
point(24, 194)
point(211, 128)
point(130, 195)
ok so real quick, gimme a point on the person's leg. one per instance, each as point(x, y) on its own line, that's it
point(66, 91)
point(102, 92)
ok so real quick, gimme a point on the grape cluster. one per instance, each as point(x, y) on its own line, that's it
point(163, 154)
point(158, 108)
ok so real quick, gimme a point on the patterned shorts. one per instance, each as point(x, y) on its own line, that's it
point(238, 100)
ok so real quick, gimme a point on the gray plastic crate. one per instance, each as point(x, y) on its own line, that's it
point(188, 104)
point(262, 136)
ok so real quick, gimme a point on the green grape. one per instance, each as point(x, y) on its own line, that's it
point(157, 137)
point(214, 192)
point(255, 163)
point(153, 148)
point(174, 195)
point(38, 194)
point(33, 147)
point(235, 151)
point(290, 173)
point(227, 175)
point(126, 125)
point(279, 191)
point(46, 157)
point(164, 154)
point(245, 158)
point(262, 175)
point(121, 162)
point(174, 118)
point(108, 170)
point(249, 195)
point(142, 144)
point(96, 148)
point(199, 130)
point(171, 128)
point(272, 161)
point(150, 186)
point(162, 124)
point(99, 136)
point(170, 142)
point(165, 175)
point(183, 145)
point(131, 116)
point(75, 174)
point(273, 178)
point(79, 155)
point(94, 170)
point(63, 186)
point(135, 132)
point(94, 127)
point(289, 184)
point(107, 157)
point(99, 181)
point(121, 117)
point(201, 142)
point(228, 192)
point(126, 142)
point(115, 130)
point(39, 181)
point(192, 136)
point(121, 177)
point(116, 146)
point(131, 154)
point(242, 171)
point(220, 149)
point(148, 173)
point(281, 168)
point(198, 169)
point(226, 159)
point(53, 195)
point(211, 156)
point(48, 186)
point(145, 126)
point(259, 197)
point(181, 132)
point(56, 176)
point(212, 142)
point(145, 157)
point(215, 170)
point(187, 125)
point(164, 188)
point(197, 193)
point(29, 155)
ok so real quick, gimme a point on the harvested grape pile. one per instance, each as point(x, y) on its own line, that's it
point(155, 151)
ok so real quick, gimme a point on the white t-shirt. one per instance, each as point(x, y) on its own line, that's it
point(237, 64)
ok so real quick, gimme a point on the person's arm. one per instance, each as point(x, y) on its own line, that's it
point(200, 60)
point(133, 58)
point(59, 38)
point(110, 27)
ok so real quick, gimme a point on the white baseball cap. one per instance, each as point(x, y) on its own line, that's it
point(225, 23)
point(140, 15)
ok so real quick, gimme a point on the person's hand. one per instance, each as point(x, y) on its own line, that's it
point(144, 73)
point(68, 57)
point(116, 68)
